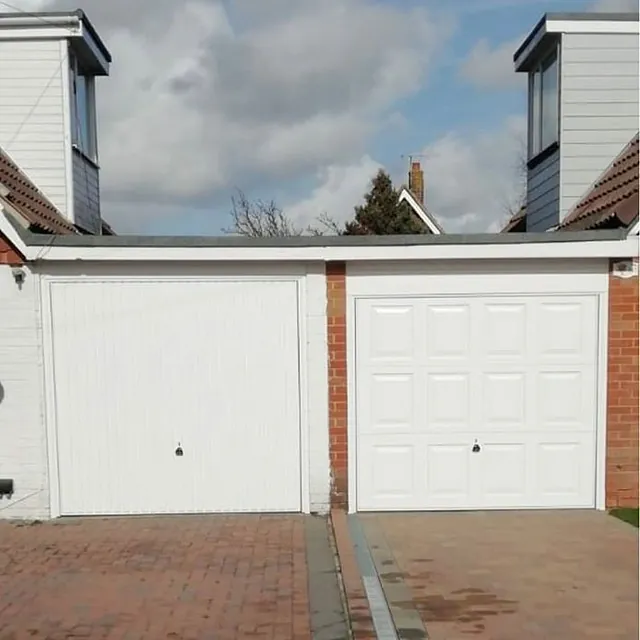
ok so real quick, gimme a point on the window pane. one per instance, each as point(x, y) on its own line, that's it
point(534, 113)
point(82, 105)
point(549, 102)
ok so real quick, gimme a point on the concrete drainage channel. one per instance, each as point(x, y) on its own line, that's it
point(387, 593)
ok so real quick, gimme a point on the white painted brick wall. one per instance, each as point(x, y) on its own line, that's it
point(23, 444)
point(318, 389)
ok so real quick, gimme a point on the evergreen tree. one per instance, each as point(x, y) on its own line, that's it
point(382, 213)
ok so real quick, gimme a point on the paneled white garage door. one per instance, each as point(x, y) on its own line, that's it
point(144, 371)
point(473, 403)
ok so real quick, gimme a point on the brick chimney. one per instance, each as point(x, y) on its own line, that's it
point(416, 181)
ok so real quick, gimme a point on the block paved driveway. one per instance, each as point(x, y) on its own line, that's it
point(181, 578)
point(565, 575)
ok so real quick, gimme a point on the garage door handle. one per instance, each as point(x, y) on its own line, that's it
point(475, 448)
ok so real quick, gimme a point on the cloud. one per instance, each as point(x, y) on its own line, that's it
point(206, 95)
point(492, 68)
point(614, 6)
point(471, 179)
point(340, 188)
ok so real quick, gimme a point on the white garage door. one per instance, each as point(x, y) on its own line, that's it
point(176, 396)
point(474, 403)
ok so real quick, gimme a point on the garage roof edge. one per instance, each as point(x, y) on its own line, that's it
point(239, 242)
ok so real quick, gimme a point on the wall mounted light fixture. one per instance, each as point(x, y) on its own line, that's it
point(19, 275)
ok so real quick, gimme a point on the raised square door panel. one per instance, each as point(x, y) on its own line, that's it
point(447, 475)
point(565, 331)
point(504, 400)
point(448, 331)
point(448, 400)
point(390, 406)
point(564, 470)
point(390, 332)
point(504, 330)
point(387, 472)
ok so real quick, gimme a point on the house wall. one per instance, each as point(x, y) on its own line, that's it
point(27, 412)
point(599, 107)
point(23, 452)
point(86, 193)
point(623, 417)
point(543, 193)
point(337, 365)
point(325, 388)
point(618, 421)
point(32, 106)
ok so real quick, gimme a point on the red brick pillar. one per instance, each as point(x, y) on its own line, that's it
point(337, 338)
point(623, 397)
point(8, 255)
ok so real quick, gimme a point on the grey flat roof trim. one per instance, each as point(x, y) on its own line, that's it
point(90, 28)
point(239, 242)
point(78, 13)
point(585, 16)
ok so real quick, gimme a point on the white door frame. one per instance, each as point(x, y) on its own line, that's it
point(386, 286)
point(226, 275)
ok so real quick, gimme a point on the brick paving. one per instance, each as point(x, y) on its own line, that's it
point(566, 575)
point(180, 578)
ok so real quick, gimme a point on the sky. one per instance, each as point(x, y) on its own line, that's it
point(301, 101)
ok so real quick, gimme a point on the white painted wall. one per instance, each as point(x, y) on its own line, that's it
point(315, 399)
point(32, 106)
point(23, 445)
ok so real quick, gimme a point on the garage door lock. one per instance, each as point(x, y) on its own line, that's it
point(179, 451)
point(476, 447)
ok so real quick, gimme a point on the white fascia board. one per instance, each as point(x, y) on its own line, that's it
point(592, 26)
point(627, 248)
point(40, 33)
point(10, 233)
point(634, 230)
point(574, 26)
point(407, 196)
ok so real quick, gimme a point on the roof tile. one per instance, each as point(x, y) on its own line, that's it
point(517, 223)
point(613, 200)
point(29, 201)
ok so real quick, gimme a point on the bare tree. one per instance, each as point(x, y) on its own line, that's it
point(260, 219)
point(514, 205)
point(328, 226)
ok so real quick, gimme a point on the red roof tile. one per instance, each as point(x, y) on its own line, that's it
point(31, 203)
point(517, 223)
point(612, 202)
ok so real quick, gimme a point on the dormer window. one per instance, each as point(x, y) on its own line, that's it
point(543, 105)
point(83, 120)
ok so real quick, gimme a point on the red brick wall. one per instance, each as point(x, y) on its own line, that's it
point(337, 338)
point(623, 395)
point(8, 255)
